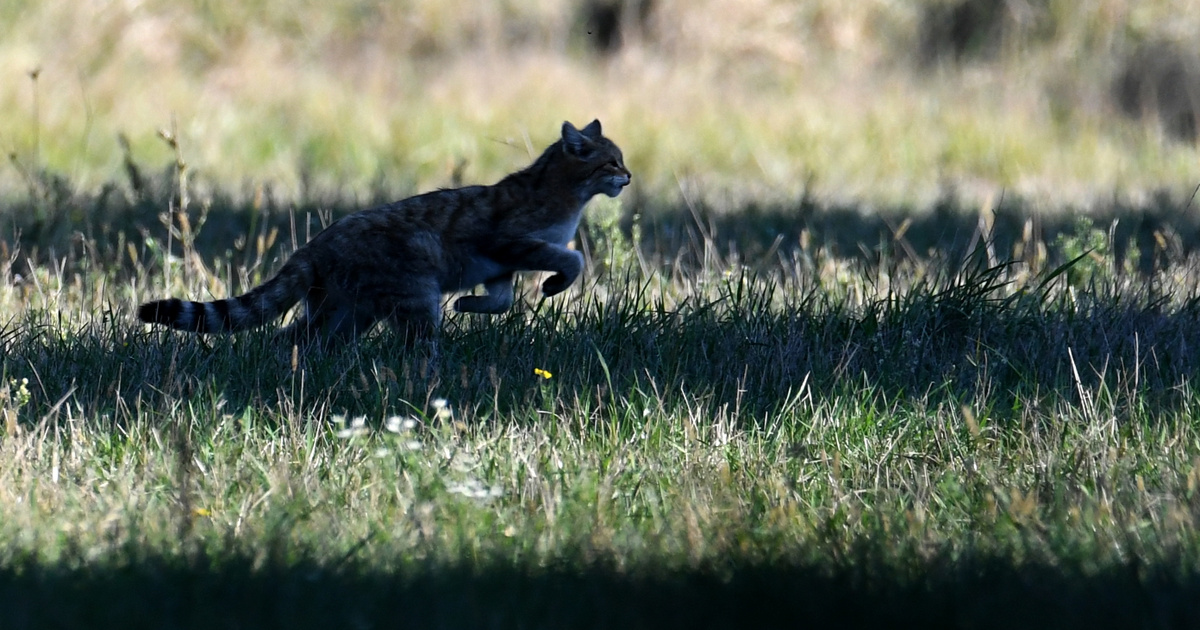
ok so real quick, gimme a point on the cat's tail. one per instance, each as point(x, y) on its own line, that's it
point(263, 304)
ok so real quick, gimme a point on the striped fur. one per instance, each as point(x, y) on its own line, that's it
point(394, 262)
point(265, 303)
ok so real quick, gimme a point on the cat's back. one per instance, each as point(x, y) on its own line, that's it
point(437, 211)
point(429, 231)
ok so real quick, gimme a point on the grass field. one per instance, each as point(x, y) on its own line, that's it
point(696, 442)
point(866, 344)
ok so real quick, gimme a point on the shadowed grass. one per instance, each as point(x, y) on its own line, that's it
point(975, 592)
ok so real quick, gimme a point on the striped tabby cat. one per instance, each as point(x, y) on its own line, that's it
point(394, 262)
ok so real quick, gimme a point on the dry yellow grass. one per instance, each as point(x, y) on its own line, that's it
point(734, 100)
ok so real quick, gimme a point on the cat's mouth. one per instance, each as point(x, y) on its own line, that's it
point(616, 184)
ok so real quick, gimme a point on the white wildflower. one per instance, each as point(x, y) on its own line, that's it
point(441, 409)
point(396, 424)
point(475, 489)
point(358, 426)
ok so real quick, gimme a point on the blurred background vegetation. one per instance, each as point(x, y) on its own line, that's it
point(767, 127)
point(875, 101)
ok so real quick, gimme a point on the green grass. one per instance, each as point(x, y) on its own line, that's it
point(805, 438)
point(868, 343)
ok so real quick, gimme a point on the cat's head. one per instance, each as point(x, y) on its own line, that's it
point(596, 160)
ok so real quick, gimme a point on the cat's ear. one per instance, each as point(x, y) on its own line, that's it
point(593, 129)
point(575, 142)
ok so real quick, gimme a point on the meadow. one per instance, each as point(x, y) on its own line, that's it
point(873, 339)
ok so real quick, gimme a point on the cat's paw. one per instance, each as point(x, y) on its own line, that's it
point(556, 284)
point(487, 304)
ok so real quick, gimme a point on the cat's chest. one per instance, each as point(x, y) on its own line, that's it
point(559, 233)
point(478, 267)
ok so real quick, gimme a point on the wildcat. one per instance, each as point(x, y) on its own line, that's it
point(395, 261)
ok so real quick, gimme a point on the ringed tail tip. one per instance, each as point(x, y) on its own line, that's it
point(159, 312)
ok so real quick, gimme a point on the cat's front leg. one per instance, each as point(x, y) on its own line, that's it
point(566, 274)
point(499, 298)
point(535, 255)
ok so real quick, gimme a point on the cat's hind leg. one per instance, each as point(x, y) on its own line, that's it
point(328, 321)
point(499, 297)
point(416, 314)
